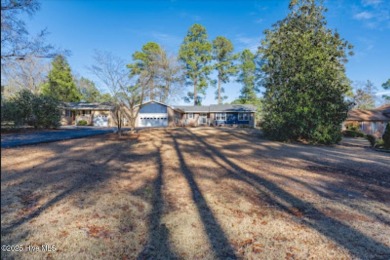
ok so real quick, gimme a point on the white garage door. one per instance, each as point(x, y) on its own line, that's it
point(153, 120)
point(100, 120)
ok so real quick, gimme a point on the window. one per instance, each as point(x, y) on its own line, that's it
point(373, 127)
point(190, 115)
point(68, 113)
point(86, 112)
point(243, 117)
point(362, 126)
point(220, 116)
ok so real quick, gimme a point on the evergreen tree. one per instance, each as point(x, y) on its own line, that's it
point(247, 76)
point(195, 53)
point(224, 64)
point(386, 86)
point(386, 136)
point(304, 77)
point(145, 66)
point(88, 90)
point(61, 85)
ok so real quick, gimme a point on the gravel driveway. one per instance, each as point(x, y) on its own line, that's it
point(64, 133)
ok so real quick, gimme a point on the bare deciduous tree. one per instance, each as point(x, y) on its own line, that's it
point(16, 42)
point(127, 94)
point(170, 76)
point(27, 74)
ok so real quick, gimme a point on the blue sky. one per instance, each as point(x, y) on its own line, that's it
point(122, 27)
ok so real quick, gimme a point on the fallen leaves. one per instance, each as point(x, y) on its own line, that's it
point(98, 232)
point(63, 234)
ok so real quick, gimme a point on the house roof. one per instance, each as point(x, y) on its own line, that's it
point(385, 109)
point(218, 108)
point(232, 108)
point(87, 106)
point(193, 109)
point(187, 109)
point(368, 115)
point(155, 101)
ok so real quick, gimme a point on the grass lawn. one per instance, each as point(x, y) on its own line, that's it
point(200, 193)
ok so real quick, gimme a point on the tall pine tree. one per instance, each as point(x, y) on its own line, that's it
point(145, 66)
point(247, 77)
point(224, 64)
point(60, 84)
point(305, 77)
point(195, 53)
point(386, 86)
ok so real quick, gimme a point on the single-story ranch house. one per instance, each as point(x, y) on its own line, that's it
point(371, 121)
point(96, 114)
point(157, 114)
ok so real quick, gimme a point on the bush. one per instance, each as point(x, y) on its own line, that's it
point(352, 127)
point(30, 109)
point(386, 137)
point(352, 133)
point(379, 143)
point(371, 139)
point(82, 123)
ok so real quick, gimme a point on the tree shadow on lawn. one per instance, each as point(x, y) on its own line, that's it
point(333, 191)
point(357, 243)
point(214, 231)
point(324, 161)
point(59, 173)
point(357, 182)
point(158, 246)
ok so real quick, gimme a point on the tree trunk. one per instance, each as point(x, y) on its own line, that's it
point(219, 90)
point(166, 91)
point(195, 93)
point(151, 89)
point(119, 122)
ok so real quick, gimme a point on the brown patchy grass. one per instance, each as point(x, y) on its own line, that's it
point(200, 193)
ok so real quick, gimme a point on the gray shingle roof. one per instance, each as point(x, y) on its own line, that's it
point(232, 108)
point(218, 108)
point(189, 109)
point(87, 106)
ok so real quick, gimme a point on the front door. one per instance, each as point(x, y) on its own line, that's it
point(73, 117)
point(202, 119)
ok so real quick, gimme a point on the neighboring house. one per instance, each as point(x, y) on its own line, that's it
point(96, 114)
point(371, 121)
point(157, 114)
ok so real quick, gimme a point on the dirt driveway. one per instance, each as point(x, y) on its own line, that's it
point(201, 193)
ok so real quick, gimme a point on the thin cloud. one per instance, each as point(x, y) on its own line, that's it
point(167, 39)
point(374, 14)
point(251, 43)
point(371, 2)
point(363, 16)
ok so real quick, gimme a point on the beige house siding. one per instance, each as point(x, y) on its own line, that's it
point(191, 121)
point(109, 114)
point(68, 120)
point(375, 128)
point(211, 118)
point(171, 116)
